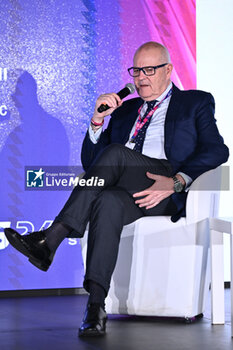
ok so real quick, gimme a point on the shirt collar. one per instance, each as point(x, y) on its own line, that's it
point(164, 93)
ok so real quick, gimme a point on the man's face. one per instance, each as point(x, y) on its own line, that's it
point(151, 87)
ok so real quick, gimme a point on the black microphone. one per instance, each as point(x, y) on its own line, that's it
point(128, 89)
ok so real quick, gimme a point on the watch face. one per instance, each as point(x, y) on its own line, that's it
point(178, 187)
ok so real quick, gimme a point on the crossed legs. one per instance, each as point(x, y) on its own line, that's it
point(112, 206)
point(107, 208)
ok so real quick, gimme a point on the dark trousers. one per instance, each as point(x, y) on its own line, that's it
point(108, 208)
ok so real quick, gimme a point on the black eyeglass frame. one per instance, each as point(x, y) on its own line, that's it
point(142, 69)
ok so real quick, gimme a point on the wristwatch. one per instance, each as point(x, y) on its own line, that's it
point(178, 186)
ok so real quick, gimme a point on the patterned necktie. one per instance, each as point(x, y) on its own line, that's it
point(139, 139)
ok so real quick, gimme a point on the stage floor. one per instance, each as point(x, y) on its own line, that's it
point(52, 322)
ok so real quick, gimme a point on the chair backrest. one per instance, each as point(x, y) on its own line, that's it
point(203, 196)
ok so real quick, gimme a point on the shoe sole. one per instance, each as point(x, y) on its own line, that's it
point(93, 332)
point(39, 264)
point(42, 265)
point(85, 334)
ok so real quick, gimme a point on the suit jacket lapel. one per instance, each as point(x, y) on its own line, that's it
point(171, 117)
point(130, 120)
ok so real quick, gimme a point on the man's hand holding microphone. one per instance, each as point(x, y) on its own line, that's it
point(107, 103)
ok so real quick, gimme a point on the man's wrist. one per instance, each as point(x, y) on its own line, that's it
point(178, 183)
point(95, 127)
point(188, 180)
point(97, 120)
point(96, 124)
point(181, 179)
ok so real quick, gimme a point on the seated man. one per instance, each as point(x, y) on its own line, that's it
point(152, 149)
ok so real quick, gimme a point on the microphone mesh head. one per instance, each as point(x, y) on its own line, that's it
point(131, 87)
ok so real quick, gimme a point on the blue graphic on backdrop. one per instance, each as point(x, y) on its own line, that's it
point(70, 55)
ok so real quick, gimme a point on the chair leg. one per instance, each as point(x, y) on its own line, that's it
point(231, 245)
point(217, 277)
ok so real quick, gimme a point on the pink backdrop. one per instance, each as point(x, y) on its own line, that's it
point(172, 23)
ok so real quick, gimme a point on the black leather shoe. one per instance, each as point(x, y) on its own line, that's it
point(33, 246)
point(94, 321)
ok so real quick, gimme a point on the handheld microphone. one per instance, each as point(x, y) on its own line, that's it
point(128, 89)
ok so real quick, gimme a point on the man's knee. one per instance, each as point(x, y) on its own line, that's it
point(114, 149)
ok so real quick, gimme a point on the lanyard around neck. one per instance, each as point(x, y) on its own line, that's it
point(142, 121)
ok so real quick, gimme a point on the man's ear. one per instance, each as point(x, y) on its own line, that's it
point(169, 68)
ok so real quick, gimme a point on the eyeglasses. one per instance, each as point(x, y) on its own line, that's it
point(149, 70)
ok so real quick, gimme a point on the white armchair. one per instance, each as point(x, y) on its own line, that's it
point(163, 267)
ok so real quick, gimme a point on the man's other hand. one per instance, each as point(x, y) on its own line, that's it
point(162, 188)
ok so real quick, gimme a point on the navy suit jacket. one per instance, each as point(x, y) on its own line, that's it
point(193, 144)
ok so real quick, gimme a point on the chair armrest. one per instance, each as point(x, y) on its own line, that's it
point(203, 196)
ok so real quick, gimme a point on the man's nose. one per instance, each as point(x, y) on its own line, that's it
point(141, 74)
